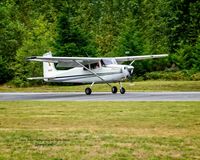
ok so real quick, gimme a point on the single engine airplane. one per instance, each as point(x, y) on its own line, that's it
point(88, 70)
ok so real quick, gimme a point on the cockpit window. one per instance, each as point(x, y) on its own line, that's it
point(109, 61)
point(87, 66)
point(92, 66)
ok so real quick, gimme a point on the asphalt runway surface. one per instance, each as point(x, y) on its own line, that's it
point(101, 96)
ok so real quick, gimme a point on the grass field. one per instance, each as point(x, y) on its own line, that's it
point(99, 130)
point(134, 86)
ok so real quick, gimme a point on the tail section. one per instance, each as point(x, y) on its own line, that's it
point(49, 69)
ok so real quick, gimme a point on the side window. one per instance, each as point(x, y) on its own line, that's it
point(108, 61)
point(87, 66)
point(94, 65)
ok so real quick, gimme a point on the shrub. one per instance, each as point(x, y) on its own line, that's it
point(178, 75)
point(196, 77)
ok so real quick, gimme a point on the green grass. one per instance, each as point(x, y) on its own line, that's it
point(134, 86)
point(99, 130)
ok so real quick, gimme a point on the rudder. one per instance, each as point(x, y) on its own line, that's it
point(49, 69)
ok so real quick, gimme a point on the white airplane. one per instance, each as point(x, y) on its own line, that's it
point(88, 70)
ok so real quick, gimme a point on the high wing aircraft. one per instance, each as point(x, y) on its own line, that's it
point(88, 70)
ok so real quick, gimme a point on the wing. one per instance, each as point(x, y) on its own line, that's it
point(72, 61)
point(133, 58)
point(65, 61)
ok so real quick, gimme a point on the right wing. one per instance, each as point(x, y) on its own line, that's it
point(133, 58)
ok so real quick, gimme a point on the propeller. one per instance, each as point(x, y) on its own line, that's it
point(128, 71)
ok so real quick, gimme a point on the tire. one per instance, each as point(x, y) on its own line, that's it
point(114, 90)
point(122, 90)
point(88, 91)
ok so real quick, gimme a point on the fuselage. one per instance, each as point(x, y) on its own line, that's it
point(109, 73)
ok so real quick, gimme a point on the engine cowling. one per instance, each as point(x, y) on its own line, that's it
point(127, 70)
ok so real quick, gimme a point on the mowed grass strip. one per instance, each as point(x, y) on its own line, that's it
point(130, 86)
point(99, 130)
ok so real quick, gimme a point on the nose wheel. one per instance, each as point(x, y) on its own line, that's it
point(122, 90)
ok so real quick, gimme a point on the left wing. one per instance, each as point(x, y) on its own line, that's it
point(65, 61)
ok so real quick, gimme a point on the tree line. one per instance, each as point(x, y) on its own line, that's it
point(98, 28)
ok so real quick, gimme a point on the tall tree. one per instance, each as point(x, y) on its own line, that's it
point(72, 40)
point(10, 38)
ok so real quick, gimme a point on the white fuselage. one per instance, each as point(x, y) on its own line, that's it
point(109, 73)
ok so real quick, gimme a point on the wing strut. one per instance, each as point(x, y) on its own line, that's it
point(92, 72)
point(131, 62)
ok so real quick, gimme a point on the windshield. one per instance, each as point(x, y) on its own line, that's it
point(109, 61)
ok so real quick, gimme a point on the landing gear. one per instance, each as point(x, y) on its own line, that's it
point(114, 89)
point(122, 90)
point(88, 91)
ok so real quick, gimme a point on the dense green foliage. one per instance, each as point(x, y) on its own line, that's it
point(98, 28)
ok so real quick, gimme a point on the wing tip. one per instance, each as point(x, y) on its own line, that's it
point(31, 58)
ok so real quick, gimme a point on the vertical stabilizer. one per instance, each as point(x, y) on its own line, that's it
point(49, 69)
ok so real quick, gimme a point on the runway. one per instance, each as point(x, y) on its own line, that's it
point(101, 96)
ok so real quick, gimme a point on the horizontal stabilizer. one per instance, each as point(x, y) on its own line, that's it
point(38, 78)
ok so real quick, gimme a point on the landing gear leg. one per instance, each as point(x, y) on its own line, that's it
point(88, 90)
point(122, 89)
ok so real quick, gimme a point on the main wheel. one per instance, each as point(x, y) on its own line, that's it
point(122, 90)
point(114, 89)
point(88, 91)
